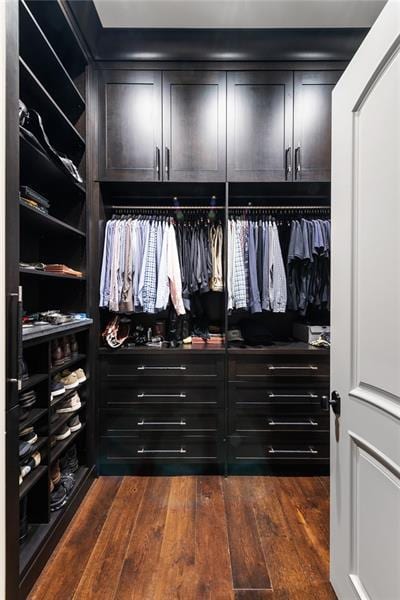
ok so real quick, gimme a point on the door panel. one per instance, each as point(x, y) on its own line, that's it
point(260, 116)
point(194, 125)
point(365, 440)
point(312, 124)
point(130, 125)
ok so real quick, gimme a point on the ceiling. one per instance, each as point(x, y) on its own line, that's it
point(238, 14)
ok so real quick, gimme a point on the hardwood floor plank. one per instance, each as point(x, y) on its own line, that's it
point(176, 566)
point(255, 595)
point(212, 561)
point(139, 569)
point(101, 578)
point(249, 569)
point(62, 574)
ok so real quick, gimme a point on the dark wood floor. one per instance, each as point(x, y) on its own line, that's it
point(195, 538)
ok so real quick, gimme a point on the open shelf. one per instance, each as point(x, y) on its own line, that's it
point(64, 418)
point(36, 164)
point(42, 333)
point(45, 63)
point(45, 224)
point(30, 480)
point(39, 533)
point(67, 364)
point(62, 133)
point(32, 381)
point(62, 397)
point(50, 274)
point(34, 416)
point(62, 446)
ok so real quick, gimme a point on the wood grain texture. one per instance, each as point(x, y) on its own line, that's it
point(195, 538)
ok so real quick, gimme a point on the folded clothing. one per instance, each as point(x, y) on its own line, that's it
point(57, 268)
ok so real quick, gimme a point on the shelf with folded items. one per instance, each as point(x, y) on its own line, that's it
point(45, 223)
point(56, 275)
point(38, 333)
point(64, 418)
point(63, 445)
point(30, 480)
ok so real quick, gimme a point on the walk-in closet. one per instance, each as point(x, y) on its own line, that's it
point(168, 305)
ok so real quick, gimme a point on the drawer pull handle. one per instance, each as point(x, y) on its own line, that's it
point(286, 368)
point(311, 450)
point(309, 422)
point(182, 422)
point(143, 395)
point(312, 396)
point(150, 368)
point(144, 451)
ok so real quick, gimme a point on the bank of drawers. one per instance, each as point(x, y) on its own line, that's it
point(158, 409)
point(275, 413)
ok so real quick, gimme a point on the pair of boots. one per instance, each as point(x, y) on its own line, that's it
point(178, 329)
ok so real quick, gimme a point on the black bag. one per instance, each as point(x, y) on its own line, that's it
point(255, 333)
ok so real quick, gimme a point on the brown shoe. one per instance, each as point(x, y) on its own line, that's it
point(74, 346)
point(57, 354)
point(66, 348)
point(55, 473)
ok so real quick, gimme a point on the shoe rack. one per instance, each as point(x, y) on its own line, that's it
point(51, 79)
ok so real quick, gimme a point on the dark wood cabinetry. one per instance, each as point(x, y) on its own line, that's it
point(130, 125)
point(312, 124)
point(194, 125)
point(260, 126)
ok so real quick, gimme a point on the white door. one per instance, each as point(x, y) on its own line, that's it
point(365, 438)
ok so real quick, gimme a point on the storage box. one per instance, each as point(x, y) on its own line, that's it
point(309, 333)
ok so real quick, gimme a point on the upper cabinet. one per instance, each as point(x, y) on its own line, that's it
point(260, 125)
point(130, 125)
point(312, 124)
point(199, 126)
point(194, 126)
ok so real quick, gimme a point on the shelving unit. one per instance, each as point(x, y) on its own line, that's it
point(52, 81)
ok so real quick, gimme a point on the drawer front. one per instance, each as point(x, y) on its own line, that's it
point(149, 366)
point(296, 399)
point(279, 367)
point(254, 418)
point(161, 449)
point(144, 418)
point(288, 449)
point(127, 395)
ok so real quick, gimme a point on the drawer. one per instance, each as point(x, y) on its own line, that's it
point(255, 418)
point(117, 394)
point(295, 399)
point(144, 418)
point(279, 367)
point(150, 366)
point(161, 449)
point(288, 449)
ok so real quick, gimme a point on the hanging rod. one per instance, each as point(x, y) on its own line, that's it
point(279, 207)
point(164, 207)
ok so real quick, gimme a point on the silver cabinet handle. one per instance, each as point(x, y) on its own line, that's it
point(290, 368)
point(158, 162)
point(146, 368)
point(298, 423)
point(311, 450)
point(182, 422)
point(167, 161)
point(288, 161)
point(297, 163)
point(143, 395)
point(311, 396)
point(144, 451)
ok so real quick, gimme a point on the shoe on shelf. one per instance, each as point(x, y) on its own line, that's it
point(67, 481)
point(57, 389)
point(57, 354)
point(30, 464)
point(24, 449)
point(69, 461)
point(58, 498)
point(80, 373)
point(55, 473)
point(74, 346)
point(28, 435)
point(27, 399)
point(63, 433)
point(70, 404)
point(74, 423)
point(66, 348)
point(69, 380)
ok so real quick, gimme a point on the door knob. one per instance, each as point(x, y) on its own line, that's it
point(334, 402)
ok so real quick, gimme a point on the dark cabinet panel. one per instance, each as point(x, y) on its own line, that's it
point(130, 126)
point(260, 122)
point(312, 124)
point(194, 125)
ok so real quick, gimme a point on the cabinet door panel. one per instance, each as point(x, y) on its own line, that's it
point(312, 124)
point(194, 126)
point(130, 126)
point(260, 117)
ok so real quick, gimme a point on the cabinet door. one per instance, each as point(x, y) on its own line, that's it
point(260, 118)
point(130, 125)
point(312, 124)
point(194, 125)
